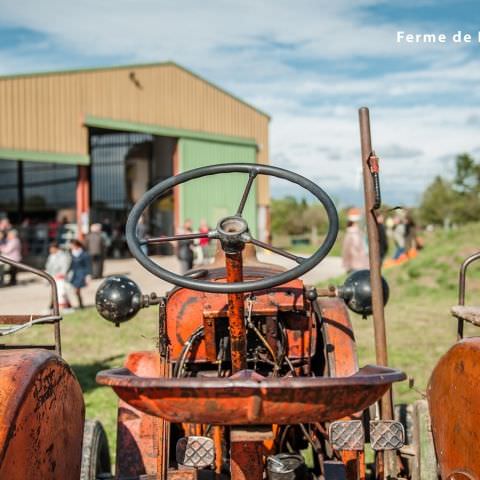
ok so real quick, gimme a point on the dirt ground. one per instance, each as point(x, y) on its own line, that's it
point(32, 295)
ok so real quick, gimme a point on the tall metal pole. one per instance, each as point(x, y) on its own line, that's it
point(371, 199)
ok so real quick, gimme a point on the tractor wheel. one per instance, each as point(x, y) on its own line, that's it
point(95, 453)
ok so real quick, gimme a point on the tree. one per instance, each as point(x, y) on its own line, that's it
point(292, 217)
point(457, 201)
point(467, 174)
point(286, 216)
point(437, 204)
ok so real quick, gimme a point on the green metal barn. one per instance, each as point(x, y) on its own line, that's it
point(86, 144)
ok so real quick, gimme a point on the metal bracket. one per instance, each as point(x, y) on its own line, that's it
point(386, 435)
point(347, 435)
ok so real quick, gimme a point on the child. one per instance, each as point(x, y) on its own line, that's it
point(58, 263)
point(80, 270)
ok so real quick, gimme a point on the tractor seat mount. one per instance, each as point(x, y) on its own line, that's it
point(248, 398)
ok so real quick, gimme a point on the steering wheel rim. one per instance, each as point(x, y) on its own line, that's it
point(253, 170)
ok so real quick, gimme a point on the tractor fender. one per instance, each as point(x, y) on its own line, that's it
point(455, 410)
point(41, 416)
point(341, 349)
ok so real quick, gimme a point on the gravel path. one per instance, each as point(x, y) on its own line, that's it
point(32, 295)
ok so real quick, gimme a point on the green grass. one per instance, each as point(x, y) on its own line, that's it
point(419, 326)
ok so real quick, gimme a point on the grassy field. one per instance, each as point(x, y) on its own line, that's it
point(419, 325)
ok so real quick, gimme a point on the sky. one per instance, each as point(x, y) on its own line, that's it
point(310, 64)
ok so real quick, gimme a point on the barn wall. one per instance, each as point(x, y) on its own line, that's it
point(46, 112)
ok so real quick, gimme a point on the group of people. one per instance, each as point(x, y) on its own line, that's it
point(400, 230)
point(70, 268)
point(403, 231)
point(71, 264)
point(76, 266)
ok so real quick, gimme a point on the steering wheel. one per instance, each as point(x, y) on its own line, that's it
point(232, 231)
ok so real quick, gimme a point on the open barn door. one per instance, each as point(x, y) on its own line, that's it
point(217, 196)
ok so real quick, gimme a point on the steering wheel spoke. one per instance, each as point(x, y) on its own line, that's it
point(251, 177)
point(181, 236)
point(278, 251)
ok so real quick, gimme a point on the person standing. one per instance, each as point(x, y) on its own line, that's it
point(185, 248)
point(354, 249)
point(95, 246)
point(399, 237)
point(80, 269)
point(204, 242)
point(5, 226)
point(410, 236)
point(58, 263)
point(12, 249)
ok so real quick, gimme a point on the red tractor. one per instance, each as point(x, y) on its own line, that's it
point(256, 374)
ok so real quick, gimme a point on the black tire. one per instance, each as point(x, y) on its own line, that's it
point(95, 452)
point(404, 415)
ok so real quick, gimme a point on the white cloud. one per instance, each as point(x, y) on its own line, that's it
point(296, 60)
point(430, 132)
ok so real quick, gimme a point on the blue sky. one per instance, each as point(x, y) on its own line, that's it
point(309, 63)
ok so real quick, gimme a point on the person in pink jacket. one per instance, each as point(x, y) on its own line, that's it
point(354, 248)
point(12, 249)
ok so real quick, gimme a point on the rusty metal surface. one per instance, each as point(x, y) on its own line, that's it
point(372, 197)
point(249, 398)
point(187, 310)
point(20, 319)
point(341, 347)
point(374, 254)
point(236, 313)
point(139, 436)
point(342, 356)
point(354, 462)
point(209, 338)
point(41, 412)
point(254, 433)
point(246, 461)
point(453, 401)
point(285, 298)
